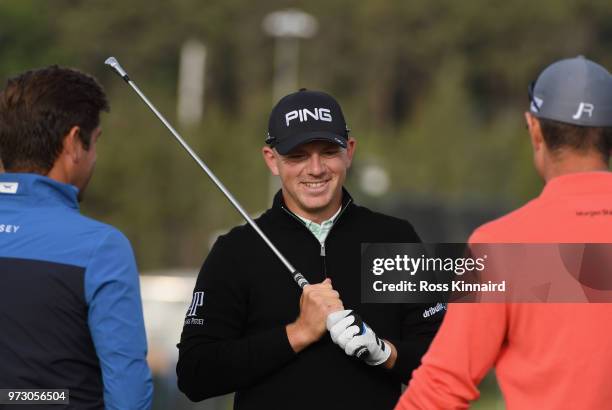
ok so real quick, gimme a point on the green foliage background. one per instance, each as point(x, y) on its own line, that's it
point(434, 91)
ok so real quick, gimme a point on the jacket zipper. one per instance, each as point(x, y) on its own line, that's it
point(323, 253)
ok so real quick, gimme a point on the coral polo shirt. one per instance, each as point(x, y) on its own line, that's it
point(546, 356)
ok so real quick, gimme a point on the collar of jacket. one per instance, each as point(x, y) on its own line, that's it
point(39, 189)
point(279, 207)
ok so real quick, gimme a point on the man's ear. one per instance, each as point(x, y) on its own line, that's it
point(270, 156)
point(535, 132)
point(72, 144)
point(351, 145)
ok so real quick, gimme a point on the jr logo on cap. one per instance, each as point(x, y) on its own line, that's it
point(321, 114)
point(584, 107)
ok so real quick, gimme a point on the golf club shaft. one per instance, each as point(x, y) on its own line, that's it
point(297, 276)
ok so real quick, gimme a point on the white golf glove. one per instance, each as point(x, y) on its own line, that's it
point(348, 331)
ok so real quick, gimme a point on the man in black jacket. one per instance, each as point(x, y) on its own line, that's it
point(241, 333)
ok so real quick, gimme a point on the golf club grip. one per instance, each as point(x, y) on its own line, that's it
point(300, 279)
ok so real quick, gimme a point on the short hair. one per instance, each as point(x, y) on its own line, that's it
point(37, 110)
point(559, 135)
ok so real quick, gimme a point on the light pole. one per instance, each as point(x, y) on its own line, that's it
point(191, 83)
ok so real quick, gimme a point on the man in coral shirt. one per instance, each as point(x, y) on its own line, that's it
point(546, 356)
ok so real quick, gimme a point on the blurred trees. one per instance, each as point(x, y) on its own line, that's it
point(433, 90)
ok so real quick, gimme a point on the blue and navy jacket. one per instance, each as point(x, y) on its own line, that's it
point(70, 307)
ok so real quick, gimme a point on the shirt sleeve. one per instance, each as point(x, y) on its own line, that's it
point(116, 324)
point(216, 354)
point(465, 348)
point(418, 330)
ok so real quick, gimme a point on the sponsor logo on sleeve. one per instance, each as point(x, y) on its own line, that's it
point(196, 302)
point(434, 309)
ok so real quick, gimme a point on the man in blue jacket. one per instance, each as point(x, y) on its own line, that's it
point(70, 308)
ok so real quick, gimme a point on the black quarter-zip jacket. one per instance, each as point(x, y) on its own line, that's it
point(234, 337)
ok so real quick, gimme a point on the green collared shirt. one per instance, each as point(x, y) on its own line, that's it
point(320, 231)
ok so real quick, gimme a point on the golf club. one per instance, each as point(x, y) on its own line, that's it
point(297, 276)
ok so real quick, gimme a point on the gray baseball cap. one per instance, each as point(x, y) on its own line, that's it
point(574, 91)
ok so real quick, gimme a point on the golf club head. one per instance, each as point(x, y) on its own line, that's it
point(114, 64)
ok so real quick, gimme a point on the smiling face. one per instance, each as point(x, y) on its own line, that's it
point(312, 176)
